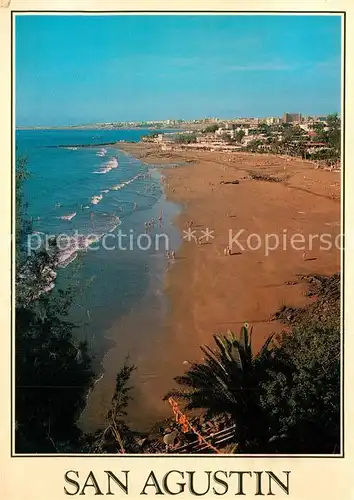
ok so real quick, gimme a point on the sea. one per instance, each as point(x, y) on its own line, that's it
point(83, 190)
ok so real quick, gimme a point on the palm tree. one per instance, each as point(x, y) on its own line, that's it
point(227, 381)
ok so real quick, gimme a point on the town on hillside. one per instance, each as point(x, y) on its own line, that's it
point(315, 138)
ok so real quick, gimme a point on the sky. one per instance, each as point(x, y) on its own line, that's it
point(87, 69)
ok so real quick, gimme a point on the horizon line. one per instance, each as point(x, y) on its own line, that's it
point(183, 120)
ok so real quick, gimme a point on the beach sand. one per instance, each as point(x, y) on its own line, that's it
point(209, 292)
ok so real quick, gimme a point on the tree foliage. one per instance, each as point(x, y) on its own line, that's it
point(292, 140)
point(228, 381)
point(283, 400)
point(302, 396)
point(186, 138)
point(52, 367)
point(117, 437)
point(211, 128)
point(22, 224)
point(53, 375)
point(239, 135)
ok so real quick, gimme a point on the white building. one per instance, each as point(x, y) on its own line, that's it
point(272, 120)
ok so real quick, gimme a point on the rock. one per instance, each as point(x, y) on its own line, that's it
point(170, 438)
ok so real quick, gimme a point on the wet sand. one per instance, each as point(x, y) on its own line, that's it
point(207, 292)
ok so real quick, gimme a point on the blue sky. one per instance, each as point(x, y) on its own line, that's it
point(84, 69)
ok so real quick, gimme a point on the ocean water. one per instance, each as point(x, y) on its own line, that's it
point(85, 193)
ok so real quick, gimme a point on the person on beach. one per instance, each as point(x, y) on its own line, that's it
point(146, 226)
point(173, 254)
point(153, 222)
point(168, 255)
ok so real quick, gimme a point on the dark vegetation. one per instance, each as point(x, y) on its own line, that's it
point(117, 437)
point(211, 128)
point(230, 182)
point(52, 368)
point(186, 138)
point(294, 141)
point(284, 399)
point(291, 140)
point(261, 176)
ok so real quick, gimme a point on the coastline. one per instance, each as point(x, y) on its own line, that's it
point(210, 293)
point(136, 332)
point(206, 292)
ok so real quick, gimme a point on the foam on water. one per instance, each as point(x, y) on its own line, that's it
point(110, 165)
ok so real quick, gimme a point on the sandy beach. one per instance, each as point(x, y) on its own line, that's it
point(211, 293)
point(208, 292)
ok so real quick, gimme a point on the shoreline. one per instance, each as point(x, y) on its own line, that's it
point(134, 333)
point(208, 293)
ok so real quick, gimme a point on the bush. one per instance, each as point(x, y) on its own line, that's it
point(302, 393)
point(186, 138)
point(211, 128)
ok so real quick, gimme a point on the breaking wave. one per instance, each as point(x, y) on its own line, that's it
point(80, 243)
point(117, 187)
point(110, 165)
